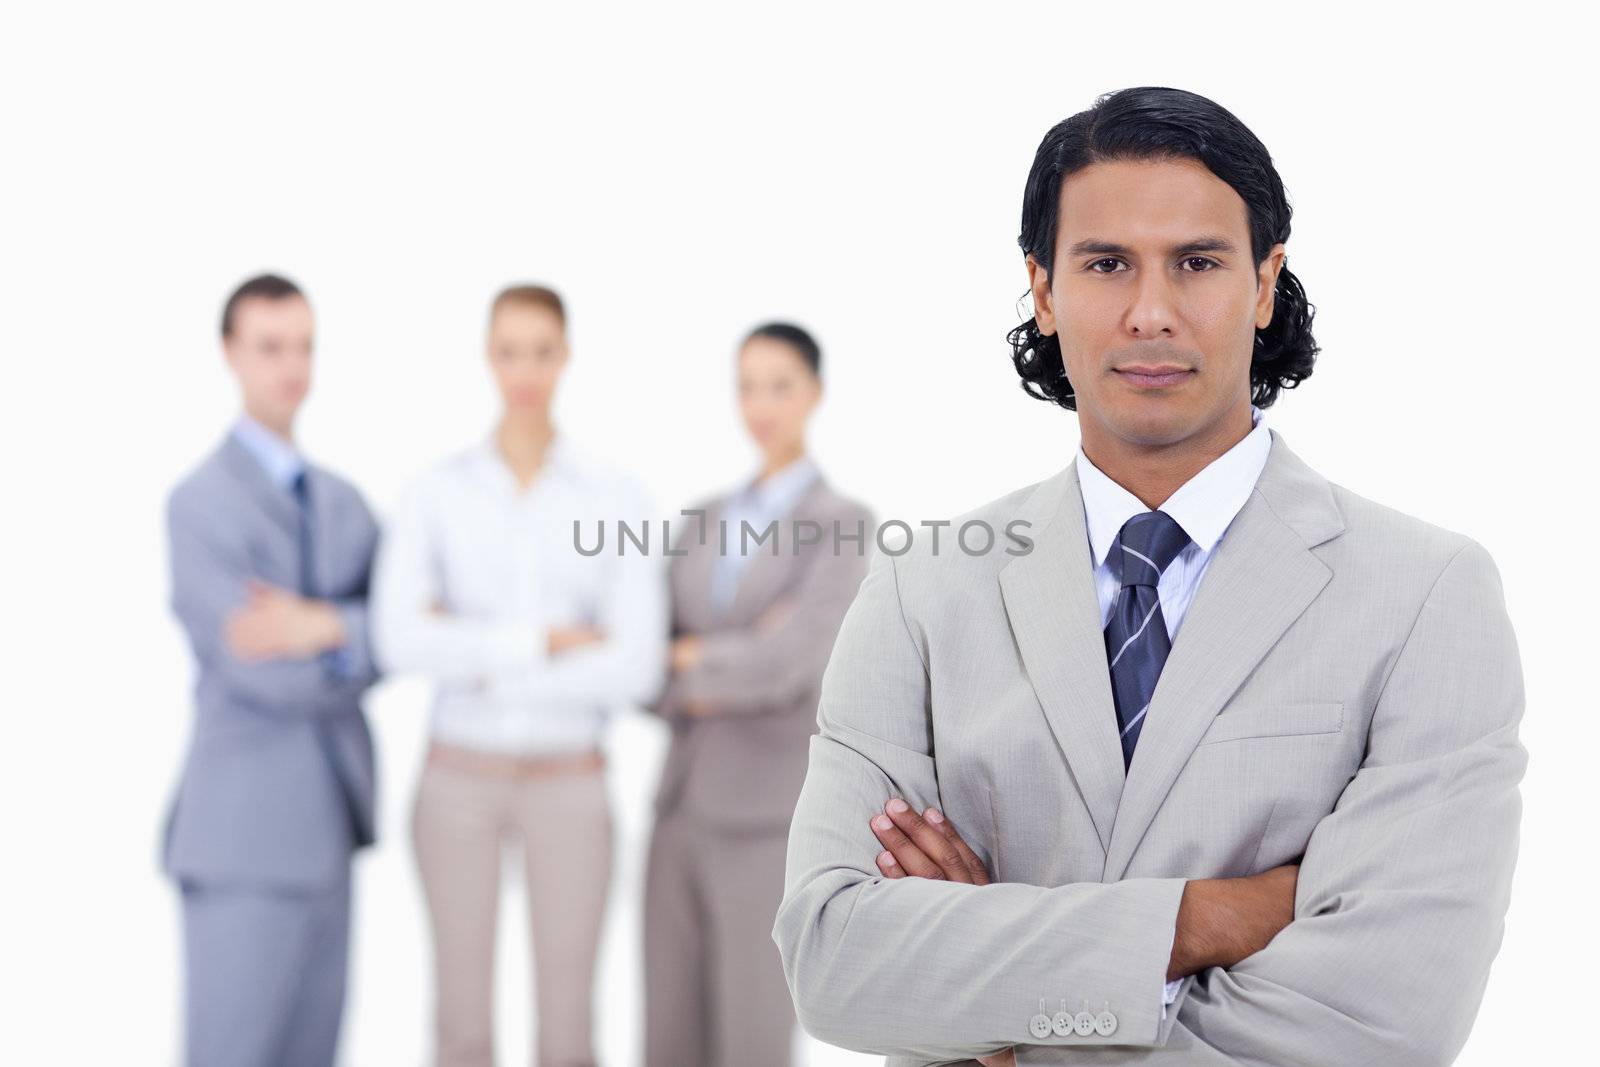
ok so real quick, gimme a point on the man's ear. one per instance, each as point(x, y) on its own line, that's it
point(1267, 284)
point(1044, 313)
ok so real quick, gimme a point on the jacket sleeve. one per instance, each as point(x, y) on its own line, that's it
point(209, 566)
point(1404, 886)
point(931, 968)
point(353, 661)
point(753, 669)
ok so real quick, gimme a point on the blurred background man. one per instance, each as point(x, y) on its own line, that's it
point(270, 558)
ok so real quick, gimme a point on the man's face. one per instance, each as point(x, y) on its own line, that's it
point(269, 352)
point(527, 351)
point(1153, 270)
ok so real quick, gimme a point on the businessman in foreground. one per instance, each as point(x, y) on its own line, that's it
point(1232, 751)
point(270, 561)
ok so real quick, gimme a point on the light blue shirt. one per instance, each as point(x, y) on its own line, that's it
point(760, 503)
point(279, 458)
point(1204, 506)
point(283, 464)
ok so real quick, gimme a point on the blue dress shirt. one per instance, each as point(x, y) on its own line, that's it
point(760, 502)
point(284, 464)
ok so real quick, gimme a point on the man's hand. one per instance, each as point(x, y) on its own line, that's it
point(277, 624)
point(566, 638)
point(924, 846)
point(927, 846)
point(1223, 920)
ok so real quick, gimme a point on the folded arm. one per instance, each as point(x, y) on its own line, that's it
point(753, 669)
point(511, 658)
point(626, 666)
point(929, 968)
point(1403, 887)
point(210, 575)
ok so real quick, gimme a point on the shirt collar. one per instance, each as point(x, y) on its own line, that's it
point(278, 457)
point(1204, 505)
point(561, 458)
point(783, 487)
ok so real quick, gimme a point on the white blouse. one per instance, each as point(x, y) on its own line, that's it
point(474, 571)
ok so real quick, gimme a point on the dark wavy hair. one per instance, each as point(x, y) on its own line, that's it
point(1153, 122)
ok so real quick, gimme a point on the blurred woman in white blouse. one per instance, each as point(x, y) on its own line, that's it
point(479, 585)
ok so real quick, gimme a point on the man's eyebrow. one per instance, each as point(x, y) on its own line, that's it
point(1206, 242)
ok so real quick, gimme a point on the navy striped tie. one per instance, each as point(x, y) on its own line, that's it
point(1136, 637)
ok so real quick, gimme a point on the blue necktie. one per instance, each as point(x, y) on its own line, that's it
point(302, 497)
point(1136, 636)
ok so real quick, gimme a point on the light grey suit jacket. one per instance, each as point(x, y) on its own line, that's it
point(1345, 690)
point(743, 766)
point(277, 785)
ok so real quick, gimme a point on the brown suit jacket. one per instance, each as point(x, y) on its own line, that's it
point(763, 662)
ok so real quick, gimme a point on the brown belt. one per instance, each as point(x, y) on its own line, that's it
point(510, 765)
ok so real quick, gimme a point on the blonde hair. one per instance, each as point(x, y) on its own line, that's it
point(529, 296)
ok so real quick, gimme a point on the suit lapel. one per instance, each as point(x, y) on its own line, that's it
point(1055, 614)
point(274, 501)
point(764, 570)
point(1262, 578)
point(282, 511)
point(693, 570)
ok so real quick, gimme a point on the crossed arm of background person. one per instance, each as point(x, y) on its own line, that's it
point(212, 574)
point(1398, 912)
point(618, 659)
point(768, 666)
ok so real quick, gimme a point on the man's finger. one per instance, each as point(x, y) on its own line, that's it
point(980, 874)
point(933, 843)
point(889, 865)
point(911, 859)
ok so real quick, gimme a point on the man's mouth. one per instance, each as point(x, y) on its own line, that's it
point(1154, 377)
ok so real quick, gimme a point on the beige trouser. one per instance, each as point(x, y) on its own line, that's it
point(715, 994)
point(466, 805)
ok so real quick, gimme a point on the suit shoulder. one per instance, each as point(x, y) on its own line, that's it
point(972, 544)
point(1387, 537)
point(202, 487)
point(847, 510)
point(339, 484)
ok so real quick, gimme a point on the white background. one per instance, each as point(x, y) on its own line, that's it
point(681, 174)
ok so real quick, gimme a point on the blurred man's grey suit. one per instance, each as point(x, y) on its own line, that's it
point(277, 786)
point(1346, 686)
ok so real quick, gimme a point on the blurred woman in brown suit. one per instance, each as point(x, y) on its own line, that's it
point(754, 615)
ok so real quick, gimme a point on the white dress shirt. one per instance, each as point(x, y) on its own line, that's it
point(1204, 506)
point(474, 571)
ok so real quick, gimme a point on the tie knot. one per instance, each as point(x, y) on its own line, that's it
point(1146, 544)
point(297, 485)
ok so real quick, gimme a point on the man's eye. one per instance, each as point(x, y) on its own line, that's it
point(1093, 266)
point(1205, 264)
